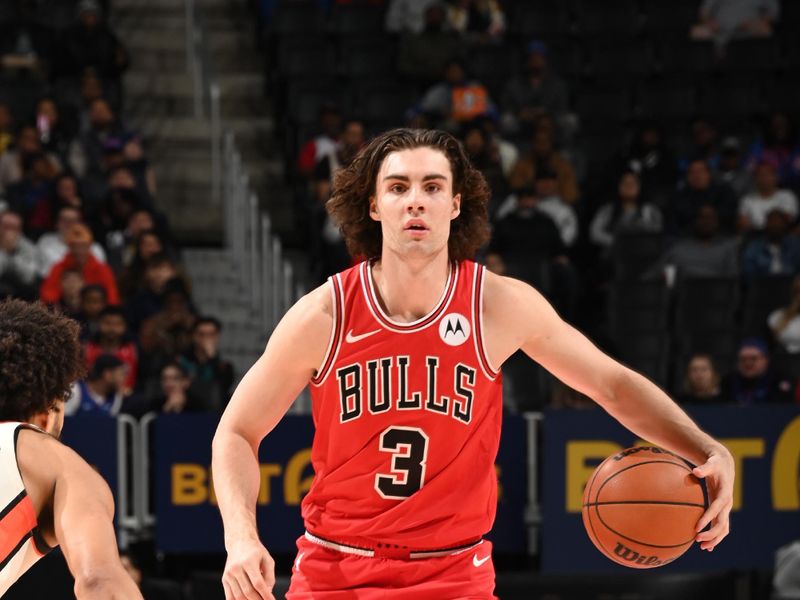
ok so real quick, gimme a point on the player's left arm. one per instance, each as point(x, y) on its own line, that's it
point(517, 317)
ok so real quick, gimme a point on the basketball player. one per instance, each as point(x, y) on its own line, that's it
point(403, 355)
point(49, 496)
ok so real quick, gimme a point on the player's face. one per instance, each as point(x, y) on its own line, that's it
point(414, 201)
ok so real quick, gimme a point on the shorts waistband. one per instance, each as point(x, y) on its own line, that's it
point(381, 550)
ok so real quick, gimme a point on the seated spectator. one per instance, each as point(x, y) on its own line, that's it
point(90, 45)
point(779, 146)
point(148, 245)
point(139, 166)
point(102, 393)
point(211, 376)
point(32, 196)
point(423, 55)
point(526, 244)
point(701, 384)
point(175, 395)
point(480, 21)
point(86, 152)
point(18, 259)
point(54, 133)
point(537, 92)
point(484, 154)
point(66, 192)
point(628, 213)
point(753, 381)
point(754, 207)
point(147, 301)
point(703, 146)
point(112, 338)
point(323, 145)
point(731, 170)
point(53, 247)
point(774, 251)
point(542, 154)
point(722, 20)
point(696, 191)
point(123, 243)
point(12, 161)
point(168, 333)
point(456, 99)
point(94, 300)
point(70, 301)
point(6, 123)
point(407, 15)
point(785, 322)
point(705, 254)
point(651, 157)
point(79, 240)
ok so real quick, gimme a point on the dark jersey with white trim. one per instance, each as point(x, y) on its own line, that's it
point(407, 418)
point(20, 543)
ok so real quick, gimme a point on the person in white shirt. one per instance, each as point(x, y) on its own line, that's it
point(407, 15)
point(52, 247)
point(785, 322)
point(753, 208)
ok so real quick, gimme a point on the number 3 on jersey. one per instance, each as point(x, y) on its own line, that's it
point(409, 449)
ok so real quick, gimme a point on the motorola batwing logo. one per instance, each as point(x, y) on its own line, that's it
point(454, 329)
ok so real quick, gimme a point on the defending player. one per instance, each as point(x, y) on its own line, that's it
point(402, 354)
point(49, 496)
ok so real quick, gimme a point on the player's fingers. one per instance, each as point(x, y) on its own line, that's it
point(719, 531)
point(258, 580)
point(713, 510)
point(235, 588)
point(227, 588)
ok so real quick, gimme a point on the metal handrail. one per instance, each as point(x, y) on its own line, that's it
point(126, 504)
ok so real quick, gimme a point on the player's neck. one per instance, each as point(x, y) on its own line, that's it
point(409, 289)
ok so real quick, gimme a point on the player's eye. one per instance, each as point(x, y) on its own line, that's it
point(432, 188)
point(397, 188)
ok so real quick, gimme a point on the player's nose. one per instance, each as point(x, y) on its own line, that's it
point(415, 201)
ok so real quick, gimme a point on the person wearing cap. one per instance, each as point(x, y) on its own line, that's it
point(101, 393)
point(535, 92)
point(731, 169)
point(754, 381)
point(79, 240)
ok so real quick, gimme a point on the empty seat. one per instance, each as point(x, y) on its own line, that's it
point(706, 304)
point(356, 20)
point(603, 103)
point(726, 98)
point(761, 298)
point(679, 55)
point(365, 58)
point(385, 102)
point(291, 18)
point(620, 16)
point(647, 353)
point(751, 55)
point(305, 58)
point(539, 18)
point(667, 100)
point(617, 57)
point(305, 98)
point(634, 253)
point(674, 17)
point(493, 65)
point(783, 94)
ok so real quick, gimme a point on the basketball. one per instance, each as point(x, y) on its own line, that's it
point(641, 507)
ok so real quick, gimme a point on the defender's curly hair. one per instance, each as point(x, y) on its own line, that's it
point(353, 186)
point(40, 357)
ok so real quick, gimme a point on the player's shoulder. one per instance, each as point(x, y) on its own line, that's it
point(313, 313)
point(500, 291)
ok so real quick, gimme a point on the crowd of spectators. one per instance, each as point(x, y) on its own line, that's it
point(720, 195)
point(79, 230)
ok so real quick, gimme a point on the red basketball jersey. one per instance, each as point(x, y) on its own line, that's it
point(407, 420)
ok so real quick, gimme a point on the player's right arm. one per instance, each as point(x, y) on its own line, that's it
point(76, 511)
point(295, 350)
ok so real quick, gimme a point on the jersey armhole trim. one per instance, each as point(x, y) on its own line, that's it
point(477, 319)
point(335, 340)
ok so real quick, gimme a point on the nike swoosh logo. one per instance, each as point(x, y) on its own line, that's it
point(478, 562)
point(297, 561)
point(352, 339)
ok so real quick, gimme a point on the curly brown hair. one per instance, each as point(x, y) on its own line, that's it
point(354, 185)
point(40, 357)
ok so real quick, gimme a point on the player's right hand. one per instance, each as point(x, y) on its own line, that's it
point(249, 572)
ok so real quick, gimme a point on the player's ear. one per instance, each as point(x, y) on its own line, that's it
point(373, 209)
point(456, 206)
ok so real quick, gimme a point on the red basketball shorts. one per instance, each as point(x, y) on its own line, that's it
point(323, 574)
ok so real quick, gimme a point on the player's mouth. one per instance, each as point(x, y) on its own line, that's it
point(416, 227)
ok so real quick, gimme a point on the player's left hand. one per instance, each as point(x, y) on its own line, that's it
point(719, 473)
